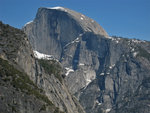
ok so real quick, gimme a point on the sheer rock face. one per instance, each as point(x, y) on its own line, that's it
point(52, 29)
point(16, 50)
point(106, 74)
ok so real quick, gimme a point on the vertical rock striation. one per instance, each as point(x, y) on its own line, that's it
point(106, 74)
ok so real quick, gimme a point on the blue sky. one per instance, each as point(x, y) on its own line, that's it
point(126, 18)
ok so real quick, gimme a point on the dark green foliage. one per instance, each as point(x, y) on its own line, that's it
point(51, 67)
point(56, 110)
point(14, 109)
point(43, 108)
point(11, 40)
point(143, 53)
point(20, 81)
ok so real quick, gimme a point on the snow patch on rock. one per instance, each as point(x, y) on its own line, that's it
point(135, 53)
point(39, 55)
point(68, 71)
point(137, 41)
point(81, 64)
point(58, 8)
point(102, 74)
point(98, 103)
point(114, 39)
point(111, 66)
point(132, 50)
point(92, 21)
point(89, 76)
point(81, 18)
point(80, 35)
point(108, 110)
point(87, 81)
point(28, 23)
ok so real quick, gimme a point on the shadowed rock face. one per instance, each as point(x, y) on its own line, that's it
point(106, 74)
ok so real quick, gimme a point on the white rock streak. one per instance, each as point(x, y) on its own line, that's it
point(90, 76)
point(74, 41)
point(87, 82)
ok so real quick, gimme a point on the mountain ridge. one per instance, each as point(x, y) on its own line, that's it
point(75, 24)
point(98, 67)
point(105, 74)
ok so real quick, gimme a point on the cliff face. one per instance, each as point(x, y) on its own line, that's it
point(106, 74)
point(47, 32)
point(34, 89)
point(120, 78)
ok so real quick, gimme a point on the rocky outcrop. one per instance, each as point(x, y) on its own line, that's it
point(106, 74)
point(20, 94)
point(28, 78)
point(119, 78)
point(47, 33)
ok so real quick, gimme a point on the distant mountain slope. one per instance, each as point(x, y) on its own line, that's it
point(106, 74)
point(27, 84)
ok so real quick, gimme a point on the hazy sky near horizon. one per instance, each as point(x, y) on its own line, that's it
point(126, 18)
